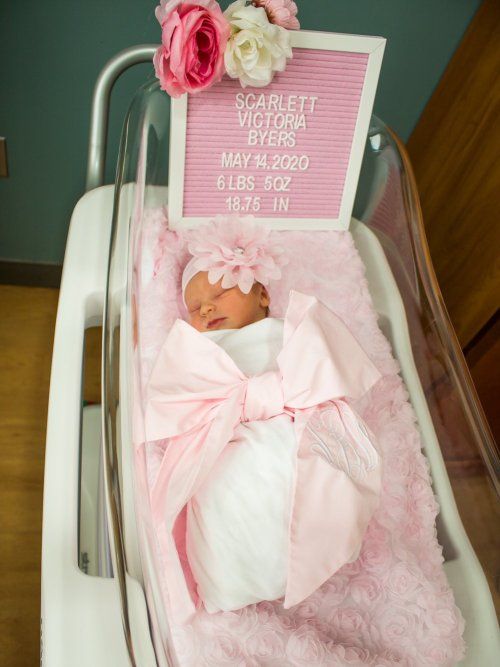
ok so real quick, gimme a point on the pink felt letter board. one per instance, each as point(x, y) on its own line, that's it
point(288, 154)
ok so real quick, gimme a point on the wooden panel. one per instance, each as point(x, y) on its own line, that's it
point(92, 365)
point(454, 151)
point(479, 510)
point(26, 333)
point(483, 359)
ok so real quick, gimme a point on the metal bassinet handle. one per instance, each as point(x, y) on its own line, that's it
point(98, 134)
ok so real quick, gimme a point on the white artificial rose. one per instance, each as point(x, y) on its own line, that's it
point(256, 48)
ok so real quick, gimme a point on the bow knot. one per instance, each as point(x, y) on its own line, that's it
point(197, 396)
point(263, 397)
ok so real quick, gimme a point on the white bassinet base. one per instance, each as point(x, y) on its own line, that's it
point(97, 609)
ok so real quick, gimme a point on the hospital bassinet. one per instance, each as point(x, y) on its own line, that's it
point(98, 606)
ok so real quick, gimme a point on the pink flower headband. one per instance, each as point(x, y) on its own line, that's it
point(236, 250)
point(250, 41)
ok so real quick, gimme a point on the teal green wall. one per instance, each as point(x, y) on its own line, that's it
point(51, 53)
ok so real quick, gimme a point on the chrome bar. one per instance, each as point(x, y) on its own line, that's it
point(98, 134)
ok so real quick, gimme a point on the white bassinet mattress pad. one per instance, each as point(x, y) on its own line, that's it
point(391, 605)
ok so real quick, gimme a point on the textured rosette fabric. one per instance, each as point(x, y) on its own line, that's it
point(393, 605)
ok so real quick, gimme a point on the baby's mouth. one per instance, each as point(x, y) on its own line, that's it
point(213, 324)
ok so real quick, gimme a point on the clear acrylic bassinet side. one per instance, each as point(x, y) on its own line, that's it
point(140, 186)
point(388, 204)
point(386, 208)
point(456, 436)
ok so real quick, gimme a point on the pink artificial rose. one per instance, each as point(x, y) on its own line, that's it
point(194, 37)
point(280, 12)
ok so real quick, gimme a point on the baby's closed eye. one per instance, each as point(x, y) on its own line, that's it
point(224, 292)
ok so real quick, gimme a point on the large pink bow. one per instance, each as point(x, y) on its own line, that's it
point(196, 397)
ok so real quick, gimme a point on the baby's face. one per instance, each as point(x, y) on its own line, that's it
point(213, 307)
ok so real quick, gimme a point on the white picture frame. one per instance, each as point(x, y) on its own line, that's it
point(373, 47)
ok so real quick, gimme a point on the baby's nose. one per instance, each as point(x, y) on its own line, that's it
point(206, 308)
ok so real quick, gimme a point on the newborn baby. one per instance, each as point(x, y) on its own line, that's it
point(270, 478)
point(237, 522)
point(212, 307)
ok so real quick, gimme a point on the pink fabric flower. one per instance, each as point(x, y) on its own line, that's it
point(365, 589)
point(194, 37)
point(265, 644)
point(236, 250)
point(348, 625)
point(244, 620)
point(308, 608)
point(280, 12)
point(376, 556)
point(404, 580)
point(443, 622)
point(336, 587)
point(399, 628)
point(223, 649)
point(304, 647)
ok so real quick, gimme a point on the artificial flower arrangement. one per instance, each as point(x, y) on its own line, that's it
point(237, 250)
point(250, 41)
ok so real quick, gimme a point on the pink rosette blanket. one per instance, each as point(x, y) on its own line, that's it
point(391, 606)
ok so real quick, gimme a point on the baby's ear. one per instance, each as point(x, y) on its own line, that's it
point(264, 297)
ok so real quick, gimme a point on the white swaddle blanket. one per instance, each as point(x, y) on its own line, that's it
point(237, 523)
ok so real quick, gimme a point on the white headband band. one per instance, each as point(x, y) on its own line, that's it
point(189, 272)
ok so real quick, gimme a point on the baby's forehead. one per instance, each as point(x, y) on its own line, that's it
point(199, 285)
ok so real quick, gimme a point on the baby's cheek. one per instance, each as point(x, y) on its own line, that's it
point(194, 320)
